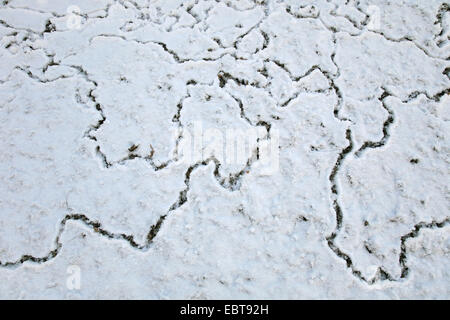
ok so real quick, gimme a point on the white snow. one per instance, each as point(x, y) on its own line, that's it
point(106, 193)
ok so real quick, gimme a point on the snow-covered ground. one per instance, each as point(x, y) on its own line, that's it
point(224, 149)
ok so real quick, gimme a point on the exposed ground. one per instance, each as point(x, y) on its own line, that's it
point(101, 99)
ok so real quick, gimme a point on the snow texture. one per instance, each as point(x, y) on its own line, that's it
point(99, 97)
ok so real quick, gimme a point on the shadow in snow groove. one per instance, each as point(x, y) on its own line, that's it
point(232, 183)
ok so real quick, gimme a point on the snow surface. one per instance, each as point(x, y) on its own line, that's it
point(99, 98)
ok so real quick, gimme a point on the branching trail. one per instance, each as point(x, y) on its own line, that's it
point(386, 128)
point(233, 181)
point(381, 274)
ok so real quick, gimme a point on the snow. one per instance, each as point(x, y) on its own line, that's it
point(120, 124)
